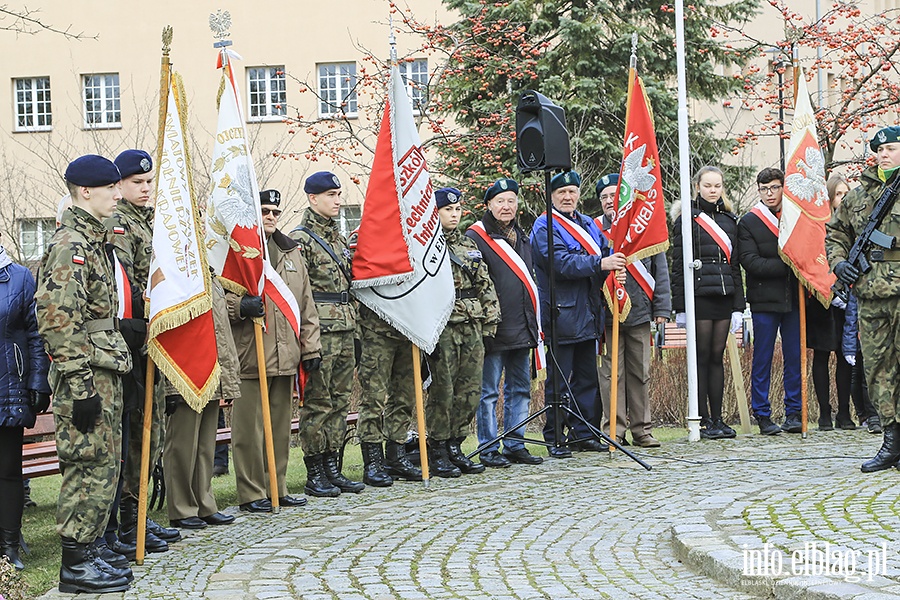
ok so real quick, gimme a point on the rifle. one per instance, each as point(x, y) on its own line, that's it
point(871, 237)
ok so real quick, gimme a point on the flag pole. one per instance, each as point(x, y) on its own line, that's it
point(266, 414)
point(804, 392)
point(164, 76)
point(420, 413)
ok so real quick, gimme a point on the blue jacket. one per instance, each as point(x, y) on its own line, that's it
point(578, 281)
point(23, 361)
point(850, 341)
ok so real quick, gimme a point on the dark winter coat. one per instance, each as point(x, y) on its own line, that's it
point(518, 326)
point(716, 276)
point(23, 362)
point(771, 285)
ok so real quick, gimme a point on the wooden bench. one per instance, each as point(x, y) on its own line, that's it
point(673, 336)
point(39, 457)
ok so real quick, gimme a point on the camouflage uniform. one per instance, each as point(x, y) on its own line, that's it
point(76, 304)
point(386, 376)
point(132, 235)
point(456, 386)
point(326, 397)
point(878, 292)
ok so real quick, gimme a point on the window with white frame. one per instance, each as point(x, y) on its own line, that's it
point(102, 103)
point(34, 236)
point(415, 76)
point(337, 89)
point(33, 104)
point(349, 218)
point(268, 95)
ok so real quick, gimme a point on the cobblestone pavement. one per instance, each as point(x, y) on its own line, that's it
point(592, 526)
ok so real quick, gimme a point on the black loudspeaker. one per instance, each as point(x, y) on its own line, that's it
point(542, 140)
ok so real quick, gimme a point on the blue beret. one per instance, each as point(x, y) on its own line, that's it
point(91, 170)
point(500, 186)
point(270, 197)
point(447, 196)
point(134, 162)
point(885, 136)
point(321, 182)
point(606, 181)
point(564, 179)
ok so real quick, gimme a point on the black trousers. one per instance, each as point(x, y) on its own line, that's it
point(577, 368)
point(12, 492)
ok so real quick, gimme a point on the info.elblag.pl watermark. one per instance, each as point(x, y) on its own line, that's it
point(817, 558)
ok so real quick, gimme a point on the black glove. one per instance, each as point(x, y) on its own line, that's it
point(488, 343)
point(252, 306)
point(172, 403)
point(312, 364)
point(357, 351)
point(846, 272)
point(40, 402)
point(85, 413)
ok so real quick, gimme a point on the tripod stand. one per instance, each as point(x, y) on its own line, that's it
point(559, 405)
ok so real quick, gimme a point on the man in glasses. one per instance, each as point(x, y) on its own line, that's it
point(772, 291)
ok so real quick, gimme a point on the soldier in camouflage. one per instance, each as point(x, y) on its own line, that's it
point(458, 359)
point(77, 308)
point(878, 291)
point(132, 234)
point(326, 397)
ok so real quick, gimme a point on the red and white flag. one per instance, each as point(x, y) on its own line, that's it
point(182, 339)
point(401, 269)
point(234, 233)
point(805, 208)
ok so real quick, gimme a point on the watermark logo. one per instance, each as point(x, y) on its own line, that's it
point(816, 558)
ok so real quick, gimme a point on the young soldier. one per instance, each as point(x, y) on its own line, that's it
point(77, 309)
point(326, 398)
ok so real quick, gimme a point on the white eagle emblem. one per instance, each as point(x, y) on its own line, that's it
point(808, 183)
point(239, 208)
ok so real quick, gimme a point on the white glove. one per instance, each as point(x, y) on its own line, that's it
point(737, 319)
point(681, 320)
point(851, 359)
point(836, 301)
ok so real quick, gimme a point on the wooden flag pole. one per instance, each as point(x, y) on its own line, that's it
point(737, 377)
point(145, 461)
point(804, 405)
point(420, 413)
point(614, 373)
point(266, 414)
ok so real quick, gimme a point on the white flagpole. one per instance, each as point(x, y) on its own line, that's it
point(687, 237)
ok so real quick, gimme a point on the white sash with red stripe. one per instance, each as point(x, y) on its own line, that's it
point(577, 231)
point(123, 289)
point(766, 216)
point(716, 233)
point(637, 269)
point(515, 263)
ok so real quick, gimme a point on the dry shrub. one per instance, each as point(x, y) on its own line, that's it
point(12, 585)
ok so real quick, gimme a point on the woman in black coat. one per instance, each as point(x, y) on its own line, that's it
point(718, 291)
point(24, 392)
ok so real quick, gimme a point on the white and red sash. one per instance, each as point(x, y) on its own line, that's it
point(123, 289)
point(766, 216)
point(578, 232)
point(637, 269)
point(515, 263)
point(709, 225)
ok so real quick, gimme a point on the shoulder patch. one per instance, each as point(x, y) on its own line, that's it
point(77, 259)
point(474, 253)
point(119, 230)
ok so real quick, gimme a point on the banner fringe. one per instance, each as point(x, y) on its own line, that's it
point(196, 398)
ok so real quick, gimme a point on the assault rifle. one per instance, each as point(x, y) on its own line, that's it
point(871, 237)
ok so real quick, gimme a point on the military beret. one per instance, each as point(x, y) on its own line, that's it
point(133, 162)
point(321, 181)
point(606, 181)
point(92, 170)
point(447, 196)
point(885, 136)
point(500, 186)
point(564, 179)
point(270, 197)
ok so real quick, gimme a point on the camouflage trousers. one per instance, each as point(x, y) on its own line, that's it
point(88, 462)
point(388, 392)
point(131, 471)
point(326, 397)
point(879, 335)
point(455, 389)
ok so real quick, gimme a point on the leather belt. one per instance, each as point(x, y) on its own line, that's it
point(108, 324)
point(332, 297)
point(469, 293)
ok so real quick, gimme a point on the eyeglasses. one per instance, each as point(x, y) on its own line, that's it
point(605, 196)
point(765, 191)
point(274, 211)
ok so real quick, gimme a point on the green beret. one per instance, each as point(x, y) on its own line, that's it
point(885, 136)
point(564, 179)
point(500, 186)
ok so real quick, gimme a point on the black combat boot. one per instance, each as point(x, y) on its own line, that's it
point(397, 464)
point(129, 551)
point(9, 547)
point(889, 454)
point(116, 563)
point(317, 483)
point(128, 509)
point(373, 461)
point(83, 571)
point(438, 462)
point(330, 462)
point(166, 534)
point(455, 453)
